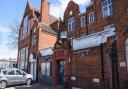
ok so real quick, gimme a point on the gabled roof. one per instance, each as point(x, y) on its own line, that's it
point(48, 29)
point(37, 14)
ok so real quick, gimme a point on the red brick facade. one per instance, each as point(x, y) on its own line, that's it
point(89, 67)
point(38, 36)
point(93, 64)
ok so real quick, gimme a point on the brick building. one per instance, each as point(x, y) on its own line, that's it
point(37, 32)
point(92, 35)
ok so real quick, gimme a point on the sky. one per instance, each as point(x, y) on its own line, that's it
point(11, 10)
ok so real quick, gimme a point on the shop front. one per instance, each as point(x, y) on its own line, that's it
point(45, 65)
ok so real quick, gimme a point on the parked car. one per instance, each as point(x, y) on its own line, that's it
point(14, 76)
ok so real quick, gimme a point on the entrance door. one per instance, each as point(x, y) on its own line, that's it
point(33, 70)
point(61, 72)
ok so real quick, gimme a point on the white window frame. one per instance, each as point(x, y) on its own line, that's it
point(82, 21)
point(71, 24)
point(106, 10)
point(91, 17)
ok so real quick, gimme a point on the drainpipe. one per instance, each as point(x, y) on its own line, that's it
point(102, 60)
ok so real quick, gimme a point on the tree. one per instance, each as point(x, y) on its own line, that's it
point(14, 35)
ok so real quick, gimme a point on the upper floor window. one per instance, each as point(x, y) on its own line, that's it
point(107, 8)
point(71, 24)
point(91, 17)
point(82, 21)
point(26, 25)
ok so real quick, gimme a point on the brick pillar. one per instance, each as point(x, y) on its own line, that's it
point(54, 72)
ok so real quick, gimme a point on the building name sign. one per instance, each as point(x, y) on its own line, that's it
point(47, 51)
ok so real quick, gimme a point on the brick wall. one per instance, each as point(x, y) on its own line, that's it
point(90, 65)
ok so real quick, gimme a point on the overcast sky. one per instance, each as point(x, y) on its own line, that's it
point(11, 10)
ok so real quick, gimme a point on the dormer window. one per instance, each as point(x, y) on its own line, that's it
point(91, 17)
point(107, 8)
point(82, 21)
point(71, 24)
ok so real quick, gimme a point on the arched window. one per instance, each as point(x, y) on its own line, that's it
point(126, 49)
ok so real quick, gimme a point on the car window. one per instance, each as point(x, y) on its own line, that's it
point(19, 72)
point(10, 72)
point(4, 72)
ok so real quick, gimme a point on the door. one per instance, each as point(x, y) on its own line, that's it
point(20, 76)
point(61, 72)
point(33, 70)
point(11, 77)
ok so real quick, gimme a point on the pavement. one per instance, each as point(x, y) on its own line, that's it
point(33, 86)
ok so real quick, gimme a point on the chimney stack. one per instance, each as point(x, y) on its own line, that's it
point(45, 12)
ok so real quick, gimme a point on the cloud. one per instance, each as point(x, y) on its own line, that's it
point(4, 29)
point(57, 9)
point(6, 53)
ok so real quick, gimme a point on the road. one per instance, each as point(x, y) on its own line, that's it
point(33, 86)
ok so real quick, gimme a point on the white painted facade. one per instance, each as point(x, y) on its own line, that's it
point(93, 40)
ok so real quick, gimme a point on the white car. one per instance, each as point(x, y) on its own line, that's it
point(14, 76)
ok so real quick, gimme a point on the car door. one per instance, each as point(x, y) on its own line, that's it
point(11, 77)
point(20, 76)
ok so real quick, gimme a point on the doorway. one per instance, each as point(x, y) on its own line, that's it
point(33, 69)
point(61, 72)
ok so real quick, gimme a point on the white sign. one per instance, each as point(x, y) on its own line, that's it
point(46, 51)
point(63, 34)
point(96, 80)
point(73, 78)
point(122, 64)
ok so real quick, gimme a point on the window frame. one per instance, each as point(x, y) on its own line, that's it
point(106, 5)
point(71, 24)
point(91, 17)
point(83, 21)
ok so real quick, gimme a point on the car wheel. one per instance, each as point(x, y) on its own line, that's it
point(29, 81)
point(3, 84)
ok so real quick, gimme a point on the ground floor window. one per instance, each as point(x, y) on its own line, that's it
point(45, 68)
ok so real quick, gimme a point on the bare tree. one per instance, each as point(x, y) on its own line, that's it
point(14, 34)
